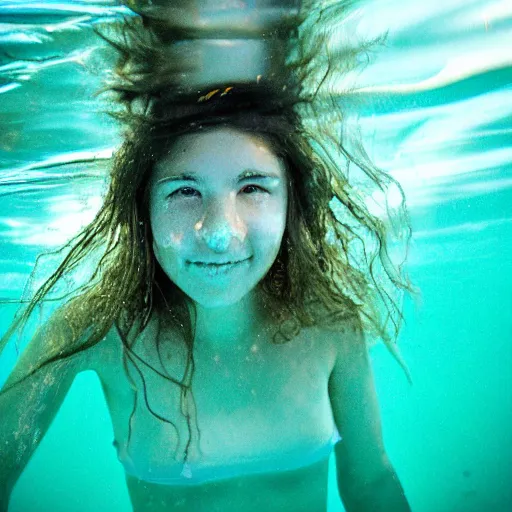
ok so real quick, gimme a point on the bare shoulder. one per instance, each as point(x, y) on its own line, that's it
point(105, 358)
point(343, 336)
point(106, 355)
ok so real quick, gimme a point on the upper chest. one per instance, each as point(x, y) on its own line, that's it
point(250, 398)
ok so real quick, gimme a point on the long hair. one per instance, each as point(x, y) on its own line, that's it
point(325, 271)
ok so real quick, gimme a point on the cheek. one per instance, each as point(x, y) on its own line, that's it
point(167, 234)
point(272, 222)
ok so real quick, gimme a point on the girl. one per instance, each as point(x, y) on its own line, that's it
point(226, 318)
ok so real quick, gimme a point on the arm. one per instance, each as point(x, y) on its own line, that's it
point(28, 407)
point(366, 478)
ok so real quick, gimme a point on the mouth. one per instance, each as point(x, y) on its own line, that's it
point(219, 264)
point(217, 269)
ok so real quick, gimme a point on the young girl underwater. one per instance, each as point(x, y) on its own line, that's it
point(228, 316)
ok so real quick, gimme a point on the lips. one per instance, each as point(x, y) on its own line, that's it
point(201, 264)
point(217, 269)
point(217, 264)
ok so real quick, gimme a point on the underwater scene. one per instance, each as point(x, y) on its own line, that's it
point(434, 107)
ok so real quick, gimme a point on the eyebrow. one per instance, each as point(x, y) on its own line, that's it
point(245, 175)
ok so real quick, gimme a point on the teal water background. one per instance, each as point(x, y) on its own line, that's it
point(436, 112)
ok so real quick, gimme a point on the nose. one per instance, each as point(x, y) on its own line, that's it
point(219, 225)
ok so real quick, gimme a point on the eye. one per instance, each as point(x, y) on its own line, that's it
point(190, 192)
point(184, 192)
point(254, 188)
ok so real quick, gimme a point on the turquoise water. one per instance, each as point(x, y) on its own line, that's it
point(436, 112)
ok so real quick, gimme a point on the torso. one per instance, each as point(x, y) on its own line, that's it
point(253, 401)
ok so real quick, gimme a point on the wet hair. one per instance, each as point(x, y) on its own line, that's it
point(325, 272)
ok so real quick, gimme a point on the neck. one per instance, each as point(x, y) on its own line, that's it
point(233, 324)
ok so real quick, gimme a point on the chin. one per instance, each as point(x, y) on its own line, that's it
point(217, 299)
point(219, 304)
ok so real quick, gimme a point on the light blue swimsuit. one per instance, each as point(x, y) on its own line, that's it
point(188, 474)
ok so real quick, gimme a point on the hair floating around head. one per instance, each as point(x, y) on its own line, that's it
point(225, 40)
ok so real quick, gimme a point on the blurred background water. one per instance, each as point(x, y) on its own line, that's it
point(436, 112)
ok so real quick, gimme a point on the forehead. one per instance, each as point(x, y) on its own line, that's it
point(218, 148)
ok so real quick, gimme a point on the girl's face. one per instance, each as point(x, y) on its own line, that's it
point(218, 203)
